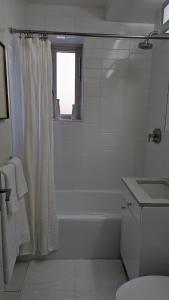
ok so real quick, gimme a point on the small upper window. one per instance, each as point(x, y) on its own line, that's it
point(165, 17)
point(67, 80)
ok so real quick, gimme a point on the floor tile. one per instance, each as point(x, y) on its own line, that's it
point(51, 274)
point(99, 296)
point(98, 276)
point(18, 277)
point(46, 270)
point(73, 280)
point(9, 296)
point(46, 295)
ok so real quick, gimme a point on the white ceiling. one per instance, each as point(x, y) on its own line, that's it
point(141, 11)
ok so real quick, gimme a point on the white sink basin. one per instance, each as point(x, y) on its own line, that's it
point(157, 189)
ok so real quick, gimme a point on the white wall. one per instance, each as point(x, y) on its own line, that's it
point(77, 19)
point(157, 155)
point(109, 142)
point(11, 14)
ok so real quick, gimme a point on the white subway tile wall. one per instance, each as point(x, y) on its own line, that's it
point(156, 162)
point(109, 142)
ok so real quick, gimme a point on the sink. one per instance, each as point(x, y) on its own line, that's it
point(157, 189)
point(148, 191)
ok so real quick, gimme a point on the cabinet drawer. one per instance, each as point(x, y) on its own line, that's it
point(132, 204)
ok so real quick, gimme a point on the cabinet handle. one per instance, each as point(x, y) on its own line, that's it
point(129, 204)
point(123, 207)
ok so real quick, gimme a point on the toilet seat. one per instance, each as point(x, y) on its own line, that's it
point(145, 288)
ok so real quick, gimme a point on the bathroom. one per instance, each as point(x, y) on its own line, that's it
point(123, 97)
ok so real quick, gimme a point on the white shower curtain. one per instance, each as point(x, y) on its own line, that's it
point(31, 98)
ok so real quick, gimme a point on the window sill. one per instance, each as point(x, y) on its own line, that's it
point(67, 120)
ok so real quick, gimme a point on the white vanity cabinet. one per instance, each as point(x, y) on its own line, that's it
point(144, 237)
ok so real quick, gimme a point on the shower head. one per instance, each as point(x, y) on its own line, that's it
point(146, 45)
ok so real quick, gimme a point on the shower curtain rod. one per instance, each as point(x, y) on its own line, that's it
point(85, 34)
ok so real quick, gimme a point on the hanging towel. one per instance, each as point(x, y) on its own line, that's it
point(22, 225)
point(15, 226)
point(21, 185)
point(9, 237)
point(8, 172)
point(23, 233)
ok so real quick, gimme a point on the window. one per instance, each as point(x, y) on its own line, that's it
point(67, 79)
point(165, 17)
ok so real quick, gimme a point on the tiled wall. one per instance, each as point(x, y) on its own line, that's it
point(157, 155)
point(79, 19)
point(109, 142)
point(11, 14)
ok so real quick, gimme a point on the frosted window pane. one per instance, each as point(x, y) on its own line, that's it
point(66, 81)
point(166, 14)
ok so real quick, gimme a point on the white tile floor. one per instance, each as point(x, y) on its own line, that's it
point(9, 296)
point(66, 280)
point(18, 278)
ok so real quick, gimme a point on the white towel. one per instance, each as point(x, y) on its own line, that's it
point(8, 172)
point(9, 238)
point(21, 185)
point(15, 228)
point(23, 232)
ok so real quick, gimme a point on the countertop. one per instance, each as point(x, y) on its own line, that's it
point(141, 196)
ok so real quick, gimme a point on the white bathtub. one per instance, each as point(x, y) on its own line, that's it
point(89, 224)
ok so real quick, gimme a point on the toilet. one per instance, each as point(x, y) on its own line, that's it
point(145, 288)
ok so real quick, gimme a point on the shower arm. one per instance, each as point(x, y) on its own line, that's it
point(151, 34)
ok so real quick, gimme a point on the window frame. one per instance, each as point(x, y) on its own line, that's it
point(164, 26)
point(69, 48)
